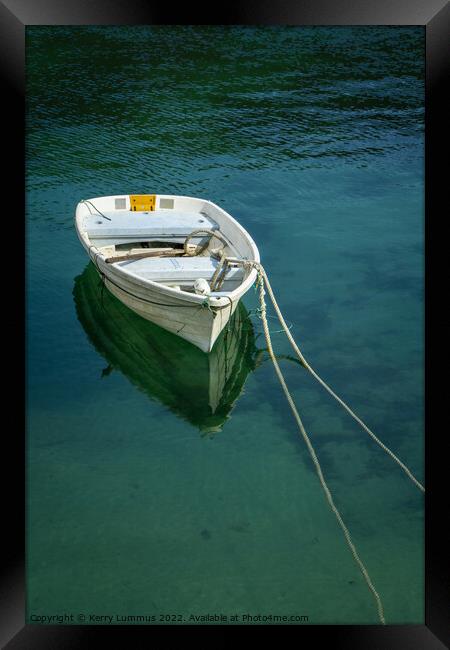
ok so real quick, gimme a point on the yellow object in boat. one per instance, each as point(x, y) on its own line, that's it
point(142, 202)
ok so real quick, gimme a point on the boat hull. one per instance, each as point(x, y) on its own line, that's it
point(197, 323)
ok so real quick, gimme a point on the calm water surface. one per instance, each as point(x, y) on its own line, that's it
point(161, 480)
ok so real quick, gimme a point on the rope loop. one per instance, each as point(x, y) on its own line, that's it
point(200, 249)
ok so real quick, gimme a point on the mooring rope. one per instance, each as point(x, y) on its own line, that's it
point(327, 388)
point(262, 273)
point(95, 208)
point(344, 528)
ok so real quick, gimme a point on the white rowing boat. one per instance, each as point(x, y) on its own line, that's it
point(177, 261)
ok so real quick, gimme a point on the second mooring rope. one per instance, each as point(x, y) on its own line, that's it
point(262, 274)
point(344, 528)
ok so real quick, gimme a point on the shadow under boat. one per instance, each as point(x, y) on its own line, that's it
point(198, 387)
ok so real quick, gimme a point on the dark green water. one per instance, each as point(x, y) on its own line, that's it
point(142, 499)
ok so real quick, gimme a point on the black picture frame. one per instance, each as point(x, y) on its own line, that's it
point(434, 16)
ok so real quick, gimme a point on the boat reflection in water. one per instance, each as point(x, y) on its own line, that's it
point(201, 388)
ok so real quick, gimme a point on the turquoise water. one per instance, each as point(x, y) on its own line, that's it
point(142, 499)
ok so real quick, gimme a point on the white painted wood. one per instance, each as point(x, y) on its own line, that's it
point(159, 223)
point(148, 294)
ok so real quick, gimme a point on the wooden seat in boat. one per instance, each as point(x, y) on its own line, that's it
point(178, 270)
point(164, 224)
